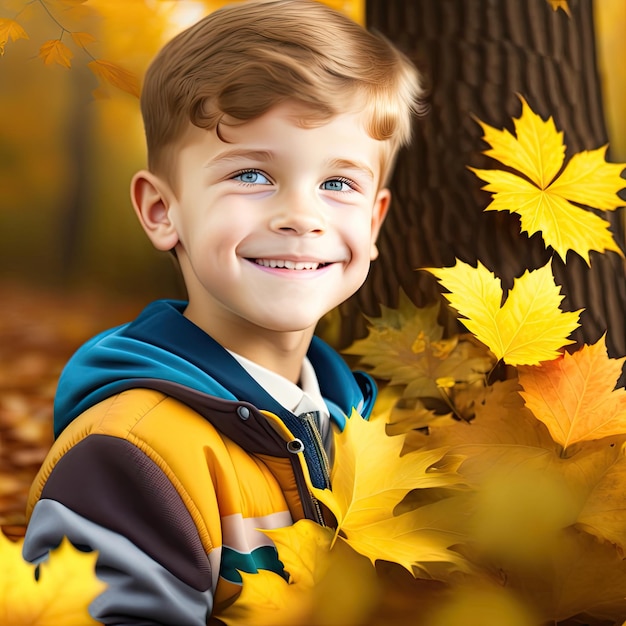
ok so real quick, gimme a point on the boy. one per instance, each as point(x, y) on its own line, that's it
point(271, 129)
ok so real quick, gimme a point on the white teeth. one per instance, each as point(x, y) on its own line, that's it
point(290, 265)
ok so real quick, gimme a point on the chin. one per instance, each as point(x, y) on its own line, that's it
point(290, 323)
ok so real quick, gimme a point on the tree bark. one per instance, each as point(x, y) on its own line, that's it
point(477, 57)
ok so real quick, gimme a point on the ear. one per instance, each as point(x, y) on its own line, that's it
point(152, 198)
point(381, 206)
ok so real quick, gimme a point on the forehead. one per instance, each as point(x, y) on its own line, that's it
point(289, 131)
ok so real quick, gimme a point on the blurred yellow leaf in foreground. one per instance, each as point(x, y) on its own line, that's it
point(59, 596)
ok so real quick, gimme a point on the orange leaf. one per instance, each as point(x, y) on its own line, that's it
point(560, 4)
point(10, 29)
point(116, 75)
point(82, 39)
point(55, 51)
point(575, 395)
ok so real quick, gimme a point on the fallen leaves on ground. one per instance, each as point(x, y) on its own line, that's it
point(39, 331)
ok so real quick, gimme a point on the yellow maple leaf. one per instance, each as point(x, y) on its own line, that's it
point(315, 593)
point(10, 29)
point(266, 599)
point(115, 75)
point(305, 542)
point(575, 395)
point(527, 329)
point(406, 347)
point(543, 198)
point(364, 495)
point(65, 587)
point(55, 51)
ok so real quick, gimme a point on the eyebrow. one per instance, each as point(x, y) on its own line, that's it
point(265, 156)
point(235, 153)
point(348, 164)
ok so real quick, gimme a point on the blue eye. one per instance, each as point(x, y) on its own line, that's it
point(337, 184)
point(252, 177)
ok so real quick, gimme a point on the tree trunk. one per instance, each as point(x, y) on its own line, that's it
point(477, 56)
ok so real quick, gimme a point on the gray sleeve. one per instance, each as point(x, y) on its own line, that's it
point(140, 590)
point(105, 494)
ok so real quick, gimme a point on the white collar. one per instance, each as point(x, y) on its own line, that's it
point(298, 399)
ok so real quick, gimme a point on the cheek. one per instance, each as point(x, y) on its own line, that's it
point(360, 239)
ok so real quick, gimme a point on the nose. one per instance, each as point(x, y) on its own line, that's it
point(298, 214)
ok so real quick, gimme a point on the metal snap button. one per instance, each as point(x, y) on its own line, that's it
point(243, 412)
point(294, 446)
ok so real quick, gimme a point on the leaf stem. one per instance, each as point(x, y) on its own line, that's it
point(446, 398)
point(56, 21)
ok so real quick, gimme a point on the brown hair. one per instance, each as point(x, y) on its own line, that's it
point(245, 58)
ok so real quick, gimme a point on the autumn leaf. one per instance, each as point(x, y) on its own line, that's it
point(560, 4)
point(55, 51)
point(579, 576)
point(266, 599)
point(67, 3)
point(527, 329)
point(82, 39)
point(303, 550)
point(575, 395)
point(500, 419)
point(315, 593)
point(481, 604)
point(406, 347)
point(66, 586)
point(521, 509)
point(364, 495)
point(604, 511)
point(543, 198)
point(10, 29)
point(115, 75)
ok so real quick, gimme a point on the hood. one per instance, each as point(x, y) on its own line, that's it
point(162, 347)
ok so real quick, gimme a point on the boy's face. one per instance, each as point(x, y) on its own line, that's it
point(276, 225)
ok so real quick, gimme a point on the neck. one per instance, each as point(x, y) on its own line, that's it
point(279, 351)
point(283, 357)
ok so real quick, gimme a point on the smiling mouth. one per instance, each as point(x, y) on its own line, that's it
point(290, 265)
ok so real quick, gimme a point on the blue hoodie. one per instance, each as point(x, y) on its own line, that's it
point(162, 350)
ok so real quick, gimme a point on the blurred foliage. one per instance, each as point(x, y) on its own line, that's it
point(610, 20)
point(39, 330)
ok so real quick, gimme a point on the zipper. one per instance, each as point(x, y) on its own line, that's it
point(306, 422)
point(309, 422)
